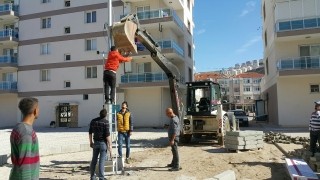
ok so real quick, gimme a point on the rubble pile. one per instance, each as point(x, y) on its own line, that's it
point(272, 137)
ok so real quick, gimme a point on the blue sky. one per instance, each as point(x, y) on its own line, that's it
point(226, 33)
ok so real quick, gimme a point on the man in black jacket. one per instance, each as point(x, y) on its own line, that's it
point(99, 127)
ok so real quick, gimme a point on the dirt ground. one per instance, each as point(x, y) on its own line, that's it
point(198, 161)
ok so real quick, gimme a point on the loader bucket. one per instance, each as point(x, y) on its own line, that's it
point(124, 36)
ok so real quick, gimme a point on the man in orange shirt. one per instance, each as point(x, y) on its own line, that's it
point(109, 75)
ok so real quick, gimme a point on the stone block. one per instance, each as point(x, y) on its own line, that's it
point(85, 147)
point(251, 146)
point(244, 133)
point(226, 175)
point(234, 138)
point(251, 142)
point(233, 147)
point(235, 142)
point(70, 148)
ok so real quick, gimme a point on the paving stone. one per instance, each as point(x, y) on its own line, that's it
point(234, 138)
point(226, 175)
point(233, 147)
point(252, 146)
point(244, 133)
point(251, 142)
point(235, 142)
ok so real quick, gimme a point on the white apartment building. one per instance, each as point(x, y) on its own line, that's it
point(58, 61)
point(8, 62)
point(291, 37)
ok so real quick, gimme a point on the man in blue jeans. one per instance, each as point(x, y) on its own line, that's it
point(99, 127)
point(125, 127)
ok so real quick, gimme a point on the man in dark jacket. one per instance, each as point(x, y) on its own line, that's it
point(173, 135)
point(99, 127)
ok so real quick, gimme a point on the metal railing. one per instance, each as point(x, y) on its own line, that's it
point(146, 77)
point(164, 44)
point(143, 77)
point(8, 85)
point(8, 33)
point(305, 62)
point(160, 13)
point(9, 7)
point(8, 59)
point(296, 24)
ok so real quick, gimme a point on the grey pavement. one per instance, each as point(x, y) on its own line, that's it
point(67, 140)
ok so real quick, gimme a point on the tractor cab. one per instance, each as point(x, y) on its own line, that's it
point(203, 97)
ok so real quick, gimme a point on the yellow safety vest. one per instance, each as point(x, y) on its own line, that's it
point(123, 121)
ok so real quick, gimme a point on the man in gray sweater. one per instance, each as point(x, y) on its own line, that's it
point(173, 135)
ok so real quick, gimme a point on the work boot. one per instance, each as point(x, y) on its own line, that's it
point(128, 160)
point(175, 169)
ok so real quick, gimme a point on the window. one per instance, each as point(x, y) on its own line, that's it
point(236, 81)
point(236, 89)
point(246, 88)
point(314, 88)
point(189, 26)
point(91, 17)
point(256, 81)
point(246, 81)
point(67, 30)
point(264, 11)
point(44, 49)
point(67, 57)
point(44, 75)
point(67, 3)
point(91, 72)
point(67, 84)
point(45, 1)
point(248, 97)
point(265, 39)
point(257, 89)
point(45, 23)
point(188, 4)
point(267, 66)
point(189, 50)
point(91, 44)
point(85, 97)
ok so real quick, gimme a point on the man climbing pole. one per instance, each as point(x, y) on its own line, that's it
point(109, 75)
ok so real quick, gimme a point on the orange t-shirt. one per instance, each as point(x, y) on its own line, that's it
point(113, 60)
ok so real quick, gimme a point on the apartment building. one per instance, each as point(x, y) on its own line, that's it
point(240, 91)
point(291, 37)
point(143, 83)
point(54, 58)
point(8, 62)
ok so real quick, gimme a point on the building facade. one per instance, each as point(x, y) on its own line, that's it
point(291, 37)
point(57, 61)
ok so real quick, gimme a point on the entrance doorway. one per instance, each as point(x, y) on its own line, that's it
point(67, 115)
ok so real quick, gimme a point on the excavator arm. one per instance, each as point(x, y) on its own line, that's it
point(126, 32)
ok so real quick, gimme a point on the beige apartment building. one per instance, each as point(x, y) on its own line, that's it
point(49, 51)
point(291, 37)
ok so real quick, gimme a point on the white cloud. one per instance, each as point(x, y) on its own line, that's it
point(250, 6)
point(248, 44)
point(201, 31)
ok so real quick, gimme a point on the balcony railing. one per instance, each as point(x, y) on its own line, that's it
point(8, 59)
point(9, 7)
point(143, 77)
point(305, 62)
point(160, 13)
point(8, 85)
point(298, 24)
point(8, 33)
point(165, 44)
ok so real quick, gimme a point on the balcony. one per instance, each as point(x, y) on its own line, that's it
point(299, 65)
point(170, 47)
point(160, 15)
point(8, 86)
point(9, 12)
point(8, 61)
point(143, 77)
point(176, 4)
point(9, 37)
point(294, 27)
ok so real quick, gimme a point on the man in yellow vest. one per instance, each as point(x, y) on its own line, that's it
point(125, 127)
